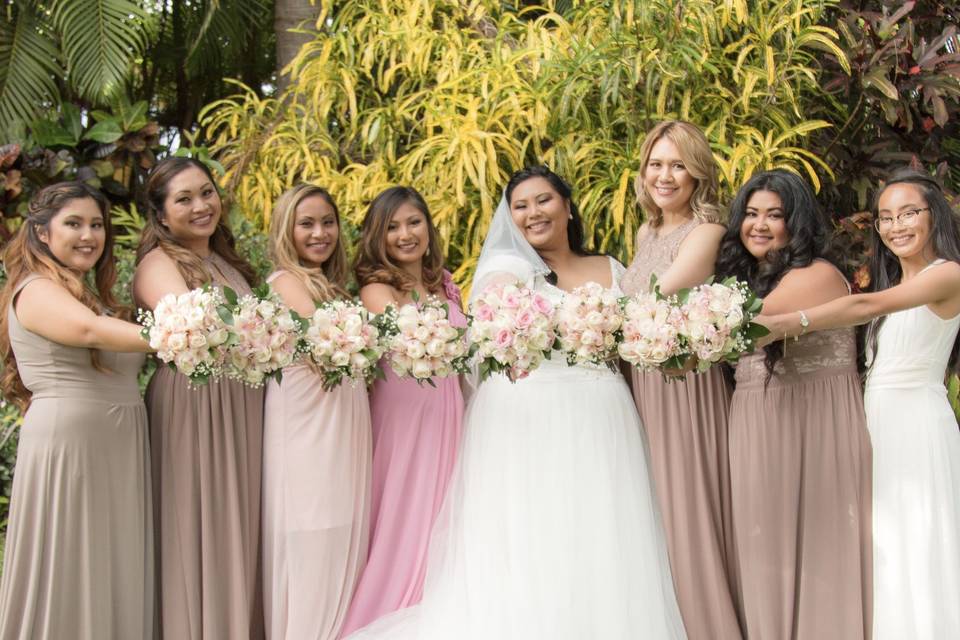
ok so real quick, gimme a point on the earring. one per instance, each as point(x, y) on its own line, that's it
point(569, 216)
point(427, 253)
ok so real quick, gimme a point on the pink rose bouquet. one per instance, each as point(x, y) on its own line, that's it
point(421, 343)
point(188, 333)
point(717, 321)
point(344, 343)
point(651, 330)
point(512, 327)
point(266, 336)
point(589, 325)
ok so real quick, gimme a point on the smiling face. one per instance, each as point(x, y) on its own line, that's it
point(76, 235)
point(191, 208)
point(666, 179)
point(764, 226)
point(315, 231)
point(540, 213)
point(905, 241)
point(408, 237)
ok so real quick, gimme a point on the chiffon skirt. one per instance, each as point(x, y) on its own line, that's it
point(206, 445)
point(800, 470)
point(79, 550)
point(686, 424)
point(316, 499)
point(916, 513)
point(550, 530)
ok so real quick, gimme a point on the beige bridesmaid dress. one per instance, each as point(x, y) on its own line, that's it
point(78, 561)
point(206, 446)
point(686, 425)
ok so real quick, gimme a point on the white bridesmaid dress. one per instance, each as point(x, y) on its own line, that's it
point(916, 479)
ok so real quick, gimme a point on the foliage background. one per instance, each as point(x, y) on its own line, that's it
point(451, 96)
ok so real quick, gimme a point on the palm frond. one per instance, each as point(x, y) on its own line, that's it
point(100, 41)
point(29, 66)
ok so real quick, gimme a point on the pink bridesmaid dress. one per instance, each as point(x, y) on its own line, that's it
point(416, 436)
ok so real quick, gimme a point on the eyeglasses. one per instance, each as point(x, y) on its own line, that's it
point(906, 218)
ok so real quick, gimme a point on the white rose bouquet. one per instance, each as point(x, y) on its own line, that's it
point(512, 327)
point(188, 333)
point(421, 343)
point(266, 336)
point(651, 330)
point(717, 321)
point(344, 343)
point(589, 325)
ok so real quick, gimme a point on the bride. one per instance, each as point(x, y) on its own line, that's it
point(550, 529)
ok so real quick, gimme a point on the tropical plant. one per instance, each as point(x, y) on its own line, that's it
point(452, 96)
point(79, 48)
point(895, 98)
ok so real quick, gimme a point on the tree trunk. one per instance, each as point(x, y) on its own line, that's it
point(290, 14)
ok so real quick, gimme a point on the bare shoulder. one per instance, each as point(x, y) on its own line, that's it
point(713, 230)
point(377, 295)
point(818, 273)
point(949, 270)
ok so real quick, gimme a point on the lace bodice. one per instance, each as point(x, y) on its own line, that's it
point(655, 254)
point(821, 353)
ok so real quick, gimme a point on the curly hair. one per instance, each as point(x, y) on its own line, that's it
point(808, 230)
point(699, 162)
point(373, 264)
point(885, 269)
point(27, 254)
point(326, 283)
point(189, 264)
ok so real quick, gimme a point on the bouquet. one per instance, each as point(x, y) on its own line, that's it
point(188, 333)
point(589, 325)
point(421, 343)
point(651, 330)
point(266, 336)
point(344, 343)
point(717, 321)
point(512, 327)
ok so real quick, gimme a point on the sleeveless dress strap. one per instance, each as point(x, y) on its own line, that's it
point(843, 278)
point(936, 262)
point(616, 271)
point(27, 279)
point(276, 274)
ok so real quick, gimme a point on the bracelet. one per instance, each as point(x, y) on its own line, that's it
point(804, 322)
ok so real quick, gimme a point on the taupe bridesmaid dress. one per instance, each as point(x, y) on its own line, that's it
point(686, 425)
point(206, 447)
point(78, 561)
point(800, 460)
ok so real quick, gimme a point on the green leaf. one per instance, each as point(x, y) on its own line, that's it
point(225, 315)
point(29, 64)
point(51, 134)
point(104, 132)
point(230, 296)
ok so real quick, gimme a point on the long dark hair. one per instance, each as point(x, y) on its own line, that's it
point(885, 270)
point(575, 235)
point(373, 263)
point(26, 254)
point(808, 230)
point(154, 235)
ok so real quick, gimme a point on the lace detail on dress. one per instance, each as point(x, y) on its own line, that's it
point(655, 254)
point(829, 352)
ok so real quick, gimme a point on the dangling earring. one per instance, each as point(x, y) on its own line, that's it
point(427, 253)
point(569, 216)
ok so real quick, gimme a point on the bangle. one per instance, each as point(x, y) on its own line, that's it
point(804, 322)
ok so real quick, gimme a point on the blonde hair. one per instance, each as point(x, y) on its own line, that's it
point(699, 162)
point(330, 280)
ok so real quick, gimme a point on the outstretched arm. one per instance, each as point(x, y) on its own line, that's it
point(47, 309)
point(938, 287)
point(695, 259)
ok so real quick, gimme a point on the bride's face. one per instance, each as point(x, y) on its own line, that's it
point(540, 213)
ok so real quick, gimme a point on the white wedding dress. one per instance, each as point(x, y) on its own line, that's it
point(550, 530)
point(916, 480)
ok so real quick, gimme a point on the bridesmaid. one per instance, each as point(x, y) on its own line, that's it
point(799, 449)
point(686, 420)
point(78, 561)
point(206, 442)
point(316, 443)
point(915, 271)
point(416, 429)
